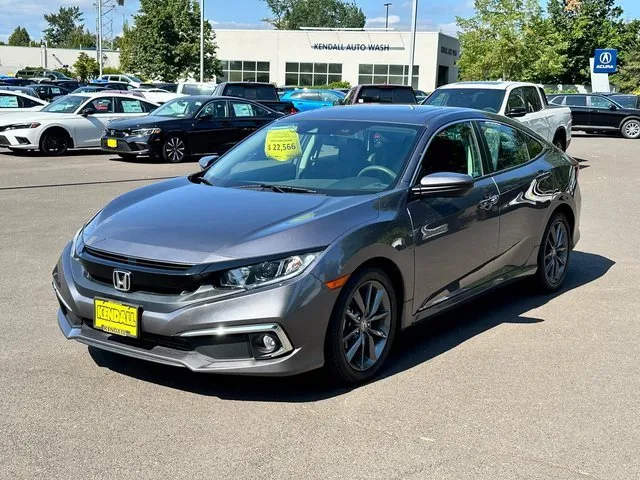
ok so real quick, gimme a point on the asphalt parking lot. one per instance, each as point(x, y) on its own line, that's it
point(515, 386)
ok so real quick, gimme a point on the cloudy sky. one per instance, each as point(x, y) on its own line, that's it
point(432, 14)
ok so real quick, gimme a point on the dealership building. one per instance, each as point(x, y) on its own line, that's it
point(317, 57)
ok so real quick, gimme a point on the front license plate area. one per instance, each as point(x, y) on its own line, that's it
point(112, 143)
point(116, 318)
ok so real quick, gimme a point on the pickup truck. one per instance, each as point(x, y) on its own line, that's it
point(380, 94)
point(264, 93)
point(526, 102)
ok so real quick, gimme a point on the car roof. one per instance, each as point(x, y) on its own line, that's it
point(391, 113)
point(490, 85)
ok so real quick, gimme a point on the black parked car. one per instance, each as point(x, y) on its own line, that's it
point(68, 84)
point(17, 82)
point(593, 112)
point(627, 100)
point(48, 92)
point(188, 126)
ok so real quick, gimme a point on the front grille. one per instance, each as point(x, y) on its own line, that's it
point(115, 133)
point(146, 275)
point(114, 257)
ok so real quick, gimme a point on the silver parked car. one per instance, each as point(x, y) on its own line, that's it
point(318, 238)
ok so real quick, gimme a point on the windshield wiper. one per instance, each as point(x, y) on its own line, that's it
point(201, 179)
point(279, 188)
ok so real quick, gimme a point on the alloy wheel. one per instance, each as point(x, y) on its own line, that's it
point(366, 325)
point(174, 150)
point(54, 144)
point(632, 129)
point(556, 252)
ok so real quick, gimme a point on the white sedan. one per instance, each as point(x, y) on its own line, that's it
point(157, 95)
point(18, 102)
point(72, 121)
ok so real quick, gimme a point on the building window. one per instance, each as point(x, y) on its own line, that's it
point(309, 74)
point(244, 71)
point(387, 74)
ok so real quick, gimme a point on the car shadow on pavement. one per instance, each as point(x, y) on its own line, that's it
point(413, 347)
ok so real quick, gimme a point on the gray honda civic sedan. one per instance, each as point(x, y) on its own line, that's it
point(317, 239)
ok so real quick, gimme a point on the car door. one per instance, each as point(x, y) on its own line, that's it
point(536, 118)
point(579, 110)
point(89, 128)
point(247, 118)
point(455, 238)
point(212, 130)
point(525, 184)
point(604, 113)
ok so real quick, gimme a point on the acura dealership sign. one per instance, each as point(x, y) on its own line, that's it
point(361, 47)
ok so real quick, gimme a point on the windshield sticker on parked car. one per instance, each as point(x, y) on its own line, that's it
point(131, 106)
point(8, 101)
point(282, 144)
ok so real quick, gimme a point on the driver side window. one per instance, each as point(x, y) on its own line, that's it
point(454, 149)
point(215, 109)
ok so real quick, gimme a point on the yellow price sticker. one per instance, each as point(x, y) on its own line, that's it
point(282, 144)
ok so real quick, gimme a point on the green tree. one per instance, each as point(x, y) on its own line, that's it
point(509, 40)
point(66, 29)
point(86, 67)
point(19, 38)
point(584, 26)
point(295, 14)
point(164, 41)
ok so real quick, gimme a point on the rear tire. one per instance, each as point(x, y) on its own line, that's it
point(631, 129)
point(174, 150)
point(560, 142)
point(54, 143)
point(362, 328)
point(554, 254)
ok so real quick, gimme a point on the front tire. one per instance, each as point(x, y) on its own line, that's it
point(54, 143)
point(631, 129)
point(174, 149)
point(554, 254)
point(362, 328)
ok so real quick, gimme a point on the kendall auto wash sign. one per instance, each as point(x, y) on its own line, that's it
point(357, 47)
point(605, 61)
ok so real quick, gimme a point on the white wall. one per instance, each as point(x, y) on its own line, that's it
point(281, 46)
point(13, 59)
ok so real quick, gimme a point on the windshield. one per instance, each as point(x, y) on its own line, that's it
point(327, 156)
point(134, 78)
point(66, 104)
point(486, 99)
point(58, 75)
point(197, 89)
point(179, 108)
point(386, 95)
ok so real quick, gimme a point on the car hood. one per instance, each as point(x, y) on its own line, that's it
point(183, 222)
point(33, 116)
point(146, 121)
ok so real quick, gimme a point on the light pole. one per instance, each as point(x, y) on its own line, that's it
point(386, 18)
point(202, 42)
point(412, 49)
point(100, 38)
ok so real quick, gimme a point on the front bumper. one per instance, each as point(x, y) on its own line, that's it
point(20, 139)
point(141, 145)
point(188, 334)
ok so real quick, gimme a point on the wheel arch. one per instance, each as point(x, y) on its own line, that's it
point(57, 128)
point(561, 130)
point(626, 119)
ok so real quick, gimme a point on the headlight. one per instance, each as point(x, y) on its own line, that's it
point(77, 243)
point(145, 131)
point(20, 126)
point(266, 273)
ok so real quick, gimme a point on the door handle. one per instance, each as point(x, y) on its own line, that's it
point(489, 202)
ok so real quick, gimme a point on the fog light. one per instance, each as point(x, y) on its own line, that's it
point(270, 343)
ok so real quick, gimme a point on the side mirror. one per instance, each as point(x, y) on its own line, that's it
point(613, 107)
point(206, 162)
point(444, 184)
point(516, 112)
point(87, 111)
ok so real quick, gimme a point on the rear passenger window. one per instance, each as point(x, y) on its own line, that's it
point(534, 146)
point(576, 101)
point(8, 101)
point(507, 146)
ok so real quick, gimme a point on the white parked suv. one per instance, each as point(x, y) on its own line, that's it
point(72, 121)
point(525, 102)
point(122, 78)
